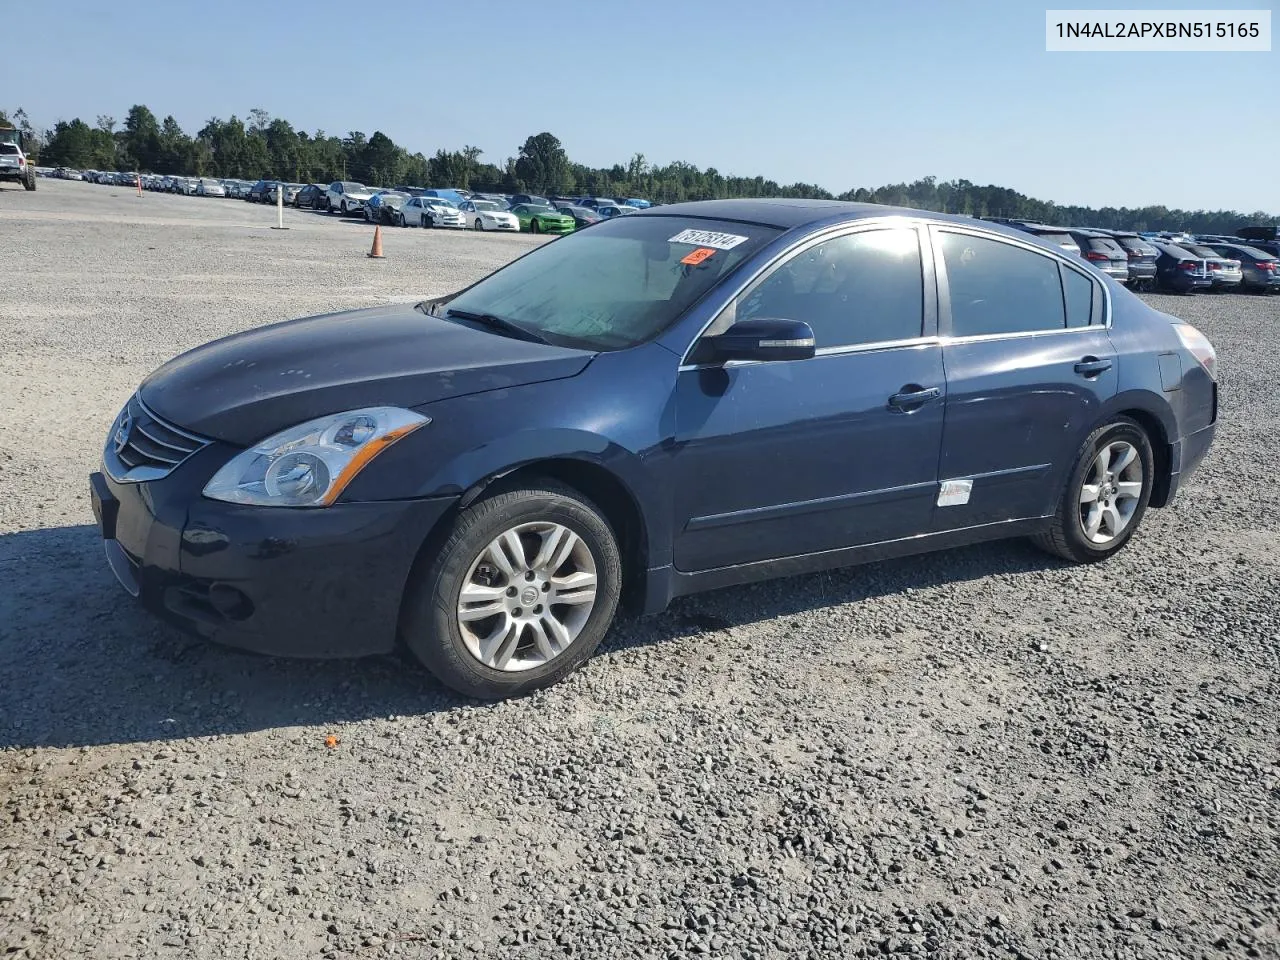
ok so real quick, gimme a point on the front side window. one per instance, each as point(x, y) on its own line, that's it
point(865, 287)
point(618, 284)
point(999, 288)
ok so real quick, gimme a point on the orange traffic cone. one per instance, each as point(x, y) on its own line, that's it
point(376, 252)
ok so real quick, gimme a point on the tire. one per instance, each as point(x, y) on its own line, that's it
point(433, 629)
point(428, 221)
point(400, 220)
point(533, 227)
point(1068, 537)
point(342, 207)
point(29, 181)
point(328, 205)
point(479, 224)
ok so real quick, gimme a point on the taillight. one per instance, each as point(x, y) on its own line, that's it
point(1096, 255)
point(1215, 266)
point(1188, 265)
point(1265, 264)
point(1198, 346)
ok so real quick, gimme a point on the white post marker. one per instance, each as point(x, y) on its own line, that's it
point(279, 208)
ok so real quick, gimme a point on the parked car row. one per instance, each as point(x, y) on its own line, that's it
point(409, 206)
point(1172, 261)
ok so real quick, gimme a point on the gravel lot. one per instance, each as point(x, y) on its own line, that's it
point(983, 752)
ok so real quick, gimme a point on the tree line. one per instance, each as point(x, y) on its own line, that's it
point(262, 146)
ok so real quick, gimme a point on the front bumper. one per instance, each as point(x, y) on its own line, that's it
point(297, 583)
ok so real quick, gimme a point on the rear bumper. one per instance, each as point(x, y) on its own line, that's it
point(1187, 454)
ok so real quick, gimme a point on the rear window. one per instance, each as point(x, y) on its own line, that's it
point(1060, 239)
point(1107, 246)
point(9, 148)
point(1200, 251)
point(1137, 245)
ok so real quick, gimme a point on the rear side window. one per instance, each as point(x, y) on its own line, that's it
point(1077, 295)
point(997, 288)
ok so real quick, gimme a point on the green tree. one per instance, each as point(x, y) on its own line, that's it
point(543, 165)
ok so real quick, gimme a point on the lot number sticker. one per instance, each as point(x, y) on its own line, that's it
point(698, 256)
point(708, 238)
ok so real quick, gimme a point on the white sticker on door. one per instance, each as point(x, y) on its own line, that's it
point(708, 238)
point(954, 493)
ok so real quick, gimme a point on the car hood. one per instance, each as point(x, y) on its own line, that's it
point(247, 386)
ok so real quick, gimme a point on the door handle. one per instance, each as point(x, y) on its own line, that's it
point(913, 397)
point(1091, 367)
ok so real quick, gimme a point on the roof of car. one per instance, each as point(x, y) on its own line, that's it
point(788, 213)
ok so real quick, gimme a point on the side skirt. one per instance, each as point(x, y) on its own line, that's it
point(666, 583)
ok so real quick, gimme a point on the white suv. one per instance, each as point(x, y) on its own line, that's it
point(346, 197)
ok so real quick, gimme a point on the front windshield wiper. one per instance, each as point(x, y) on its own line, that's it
point(495, 322)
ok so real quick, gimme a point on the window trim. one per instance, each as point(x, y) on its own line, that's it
point(944, 289)
point(928, 276)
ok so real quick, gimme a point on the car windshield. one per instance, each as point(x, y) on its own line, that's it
point(441, 202)
point(537, 208)
point(616, 285)
point(348, 187)
point(485, 205)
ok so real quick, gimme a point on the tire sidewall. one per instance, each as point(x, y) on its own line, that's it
point(1120, 429)
point(431, 630)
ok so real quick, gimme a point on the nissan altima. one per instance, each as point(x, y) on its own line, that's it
point(689, 397)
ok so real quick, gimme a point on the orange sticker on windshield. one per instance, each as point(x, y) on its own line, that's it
point(697, 256)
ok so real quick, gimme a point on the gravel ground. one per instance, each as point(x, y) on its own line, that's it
point(983, 752)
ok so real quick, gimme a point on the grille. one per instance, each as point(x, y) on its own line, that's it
point(144, 447)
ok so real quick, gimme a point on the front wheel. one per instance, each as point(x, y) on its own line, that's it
point(520, 594)
point(343, 208)
point(1106, 495)
point(400, 220)
point(533, 227)
point(479, 224)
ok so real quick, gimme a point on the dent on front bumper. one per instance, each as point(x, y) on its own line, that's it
point(305, 583)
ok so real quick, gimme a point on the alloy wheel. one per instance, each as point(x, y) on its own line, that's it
point(1111, 492)
point(527, 596)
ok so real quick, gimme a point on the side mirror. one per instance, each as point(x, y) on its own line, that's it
point(764, 339)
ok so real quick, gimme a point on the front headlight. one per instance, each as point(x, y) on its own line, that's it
point(311, 464)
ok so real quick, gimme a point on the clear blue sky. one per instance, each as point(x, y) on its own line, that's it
point(834, 92)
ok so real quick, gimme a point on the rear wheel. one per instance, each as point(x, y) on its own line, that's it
point(520, 594)
point(29, 181)
point(1106, 494)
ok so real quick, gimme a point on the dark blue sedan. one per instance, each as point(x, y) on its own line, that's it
point(692, 396)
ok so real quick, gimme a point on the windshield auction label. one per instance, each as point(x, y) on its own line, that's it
point(708, 238)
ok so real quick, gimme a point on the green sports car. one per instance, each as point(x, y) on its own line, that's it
point(536, 218)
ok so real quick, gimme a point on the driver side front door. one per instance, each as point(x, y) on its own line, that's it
point(786, 458)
